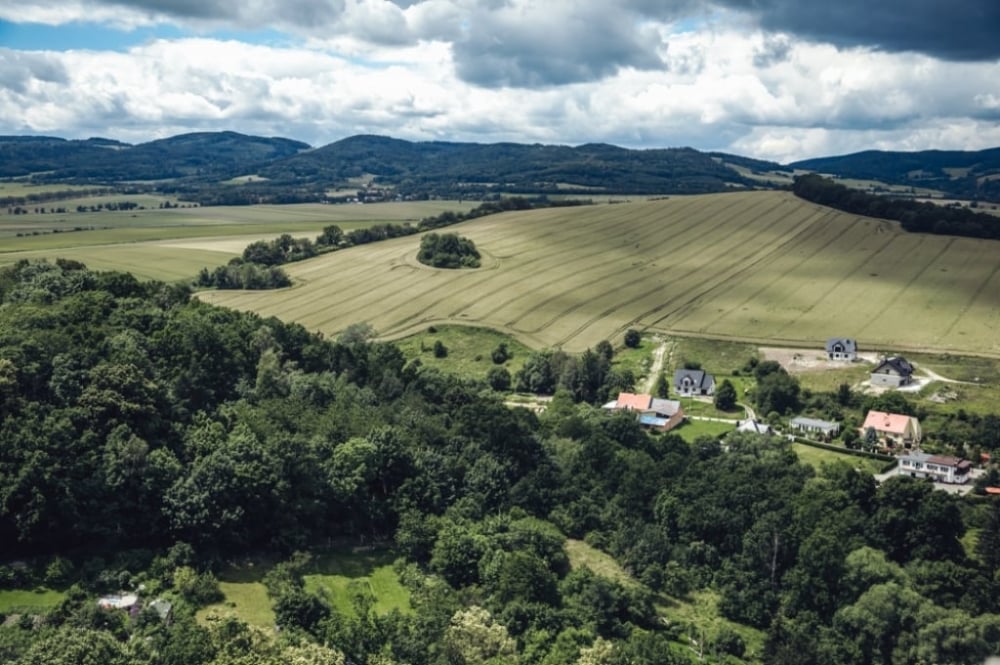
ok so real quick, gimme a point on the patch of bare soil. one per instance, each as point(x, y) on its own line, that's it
point(809, 360)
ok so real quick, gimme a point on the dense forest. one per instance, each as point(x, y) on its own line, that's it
point(915, 216)
point(148, 437)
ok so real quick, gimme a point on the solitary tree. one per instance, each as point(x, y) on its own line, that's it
point(440, 350)
point(725, 396)
point(632, 338)
point(662, 388)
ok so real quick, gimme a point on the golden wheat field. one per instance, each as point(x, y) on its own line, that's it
point(759, 266)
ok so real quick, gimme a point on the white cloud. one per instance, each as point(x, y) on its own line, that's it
point(713, 90)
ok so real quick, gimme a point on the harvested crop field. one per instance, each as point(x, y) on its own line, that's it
point(754, 266)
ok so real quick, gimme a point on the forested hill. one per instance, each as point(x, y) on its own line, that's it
point(476, 168)
point(202, 155)
point(145, 435)
point(960, 174)
point(197, 163)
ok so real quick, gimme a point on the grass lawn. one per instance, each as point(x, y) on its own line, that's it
point(690, 430)
point(829, 380)
point(715, 356)
point(816, 457)
point(247, 601)
point(469, 350)
point(341, 575)
point(32, 601)
point(639, 359)
point(694, 407)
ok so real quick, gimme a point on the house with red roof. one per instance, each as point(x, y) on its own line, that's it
point(652, 412)
point(893, 429)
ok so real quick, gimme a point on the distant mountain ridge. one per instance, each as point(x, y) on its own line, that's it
point(476, 167)
point(962, 174)
point(197, 164)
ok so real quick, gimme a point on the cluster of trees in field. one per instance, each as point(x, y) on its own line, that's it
point(914, 216)
point(148, 436)
point(448, 250)
point(258, 268)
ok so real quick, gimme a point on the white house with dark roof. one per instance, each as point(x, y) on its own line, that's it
point(692, 382)
point(894, 371)
point(941, 468)
point(842, 348)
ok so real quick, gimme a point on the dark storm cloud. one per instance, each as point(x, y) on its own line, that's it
point(953, 30)
point(550, 48)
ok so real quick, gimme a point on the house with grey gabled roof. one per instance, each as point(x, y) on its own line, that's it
point(692, 382)
point(894, 371)
point(842, 348)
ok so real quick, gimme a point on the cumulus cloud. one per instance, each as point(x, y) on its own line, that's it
point(638, 73)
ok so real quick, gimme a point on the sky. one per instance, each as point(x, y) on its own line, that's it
point(773, 79)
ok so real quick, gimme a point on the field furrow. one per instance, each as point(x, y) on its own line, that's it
point(760, 265)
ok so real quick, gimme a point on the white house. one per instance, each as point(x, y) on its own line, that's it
point(893, 372)
point(842, 348)
point(941, 468)
point(691, 382)
point(824, 428)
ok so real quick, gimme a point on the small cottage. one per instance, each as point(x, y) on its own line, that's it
point(815, 427)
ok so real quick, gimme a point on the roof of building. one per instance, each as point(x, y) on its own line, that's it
point(949, 460)
point(753, 426)
point(893, 423)
point(849, 345)
point(698, 377)
point(120, 601)
point(633, 401)
point(162, 607)
point(814, 423)
point(898, 364)
point(652, 420)
point(666, 407)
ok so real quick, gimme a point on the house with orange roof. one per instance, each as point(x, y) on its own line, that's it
point(652, 412)
point(893, 429)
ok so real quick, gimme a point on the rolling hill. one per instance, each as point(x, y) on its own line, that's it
point(753, 265)
point(961, 174)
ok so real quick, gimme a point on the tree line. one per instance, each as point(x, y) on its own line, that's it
point(914, 216)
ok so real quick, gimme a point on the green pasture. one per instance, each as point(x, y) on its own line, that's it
point(31, 601)
point(27, 188)
point(829, 380)
point(816, 457)
point(341, 576)
point(244, 600)
point(690, 430)
point(469, 350)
